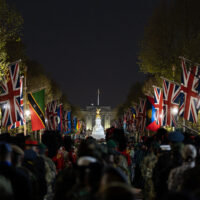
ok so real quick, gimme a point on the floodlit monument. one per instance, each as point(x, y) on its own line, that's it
point(97, 123)
point(98, 130)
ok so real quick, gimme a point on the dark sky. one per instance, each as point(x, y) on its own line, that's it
point(86, 45)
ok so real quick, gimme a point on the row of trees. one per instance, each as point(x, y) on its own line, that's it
point(172, 31)
point(12, 48)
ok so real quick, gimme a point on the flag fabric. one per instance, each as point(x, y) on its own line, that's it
point(83, 127)
point(60, 118)
point(130, 120)
point(124, 121)
point(75, 122)
point(22, 121)
point(120, 122)
point(78, 125)
point(69, 124)
point(37, 107)
point(115, 124)
point(48, 116)
point(133, 110)
point(142, 114)
point(65, 121)
point(171, 96)
point(158, 102)
point(137, 117)
point(10, 97)
point(189, 98)
point(52, 116)
point(98, 94)
point(151, 115)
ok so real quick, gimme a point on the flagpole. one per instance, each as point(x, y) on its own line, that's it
point(183, 116)
point(37, 90)
point(181, 57)
point(98, 98)
point(17, 61)
point(169, 80)
point(25, 91)
point(195, 131)
point(157, 87)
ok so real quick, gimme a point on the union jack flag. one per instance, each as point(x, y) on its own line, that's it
point(130, 119)
point(142, 114)
point(54, 115)
point(60, 117)
point(10, 97)
point(171, 94)
point(137, 116)
point(158, 102)
point(65, 121)
point(189, 99)
point(124, 121)
point(51, 116)
point(68, 121)
point(22, 120)
point(48, 116)
point(115, 124)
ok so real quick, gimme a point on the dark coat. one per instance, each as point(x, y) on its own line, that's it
point(20, 183)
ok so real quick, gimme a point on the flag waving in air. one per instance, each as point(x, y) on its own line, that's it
point(75, 122)
point(65, 120)
point(142, 114)
point(10, 97)
point(158, 102)
point(171, 92)
point(60, 117)
point(137, 116)
point(69, 122)
point(189, 83)
point(22, 121)
point(52, 116)
point(48, 116)
point(36, 106)
point(151, 115)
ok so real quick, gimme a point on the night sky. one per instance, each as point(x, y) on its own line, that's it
point(86, 45)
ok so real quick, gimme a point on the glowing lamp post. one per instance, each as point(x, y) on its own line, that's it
point(27, 113)
point(174, 111)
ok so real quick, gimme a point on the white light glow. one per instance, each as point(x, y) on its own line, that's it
point(5, 106)
point(161, 116)
point(174, 111)
point(98, 131)
point(27, 113)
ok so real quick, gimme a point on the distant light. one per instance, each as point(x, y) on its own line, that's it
point(92, 104)
point(46, 120)
point(5, 106)
point(175, 111)
point(27, 113)
point(161, 116)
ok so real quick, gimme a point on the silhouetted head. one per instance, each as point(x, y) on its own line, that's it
point(117, 191)
point(112, 174)
point(6, 192)
point(5, 152)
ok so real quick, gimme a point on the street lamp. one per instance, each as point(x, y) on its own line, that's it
point(175, 111)
point(27, 113)
point(5, 106)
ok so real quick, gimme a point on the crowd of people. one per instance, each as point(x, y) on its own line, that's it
point(161, 167)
